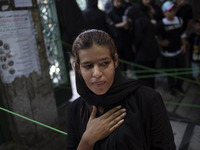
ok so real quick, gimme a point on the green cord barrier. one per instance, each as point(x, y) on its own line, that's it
point(164, 70)
point(39, 123)
point(150, 69)
point(147, 69)
point(160, 75)
point(153, 75)
point(62, 132)
point(158, 71)
point(181, 104)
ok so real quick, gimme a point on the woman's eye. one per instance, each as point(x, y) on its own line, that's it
point(87, 66)
point(104, 63)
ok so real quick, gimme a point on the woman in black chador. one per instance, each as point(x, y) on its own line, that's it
point(120, 35)
point(94, 17)
point(112, 112)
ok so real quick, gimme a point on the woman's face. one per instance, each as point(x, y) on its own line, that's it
point(146, 2)
point(97, 68)
point(117, 3)
point(181, 2)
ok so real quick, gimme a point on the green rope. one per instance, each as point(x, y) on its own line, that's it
point(31, 120)
point(158, 71)
point(163, 70)
point(182, 104)
point(62, 132)
point(174, 74)
point(171, 74)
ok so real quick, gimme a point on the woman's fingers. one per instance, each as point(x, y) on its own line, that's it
point(118, 119)
point(110, 112)
point(100, 127)
point(114, 118)
point(94, 112)
point(115, 126)
point(114, 113)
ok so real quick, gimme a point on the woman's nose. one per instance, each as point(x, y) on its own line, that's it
point(97, 72)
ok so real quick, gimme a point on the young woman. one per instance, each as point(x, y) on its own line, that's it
point(112, 112)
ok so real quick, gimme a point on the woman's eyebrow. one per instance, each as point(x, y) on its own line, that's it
point(101, 59)
point(86, 62)
point(105, 58)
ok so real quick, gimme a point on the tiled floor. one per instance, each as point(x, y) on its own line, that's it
point(184, 113)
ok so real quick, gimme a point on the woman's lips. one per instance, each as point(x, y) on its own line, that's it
point(99, 83)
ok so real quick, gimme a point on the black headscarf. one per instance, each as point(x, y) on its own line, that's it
point(134, 12)
point(140, 127)
point(120, 89)
point(130, 134)
point(92, 3)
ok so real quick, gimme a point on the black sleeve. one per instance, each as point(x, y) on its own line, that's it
point(191, 44)
point(159, 29)
point(72, 139)
point(157, 128)
point(190, 12)
point(161, 135)
point(138, 33)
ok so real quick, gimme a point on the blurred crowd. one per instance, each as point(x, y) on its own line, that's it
point(152, 37)
point(145, 33)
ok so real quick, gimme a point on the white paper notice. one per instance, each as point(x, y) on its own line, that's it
point(18, 48)
point(23, 3)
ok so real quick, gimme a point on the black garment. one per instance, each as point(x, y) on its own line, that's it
point(172, 54)
point(71, 20)
point(186, 13)
point(194, 42)
point(146, 124)
point(144, 40)
point(174, 63)
point(157, 15)
point(94, 17)
point(121, 36)
point(108, 6)
point(71, 23)
point(127, 4)
point(147, 50)
point(119, 90)
point(148, 76)
point(172, 31)
point(133, 12)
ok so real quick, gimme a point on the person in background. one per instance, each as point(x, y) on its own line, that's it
point(112, 112)
point(94, 17)
point(194, 42)
point(144, 41)
point(108, 6)
point(70, 26)
point(151, 10)
point(119, 33)
point(184, 10)
point(127, 3)
point(173, 42)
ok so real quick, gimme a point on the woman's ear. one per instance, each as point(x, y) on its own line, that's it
point(116, 60)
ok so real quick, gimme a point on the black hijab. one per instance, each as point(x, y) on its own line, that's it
point(120, 89)
point(92, 3)
point(130, 134)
